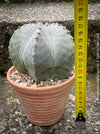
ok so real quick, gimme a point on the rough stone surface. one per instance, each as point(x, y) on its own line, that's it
point(21, 13)
point(32, 1)
point(14, 121)
point(12, 16)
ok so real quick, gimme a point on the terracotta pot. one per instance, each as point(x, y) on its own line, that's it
point(43, 106)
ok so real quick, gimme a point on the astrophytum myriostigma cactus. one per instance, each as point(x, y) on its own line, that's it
point(42, 51)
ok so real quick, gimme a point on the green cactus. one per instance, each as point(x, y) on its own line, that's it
point(42, 51)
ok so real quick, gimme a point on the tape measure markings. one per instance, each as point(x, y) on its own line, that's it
point(81, 14)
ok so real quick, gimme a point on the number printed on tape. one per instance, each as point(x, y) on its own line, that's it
point(81, 19)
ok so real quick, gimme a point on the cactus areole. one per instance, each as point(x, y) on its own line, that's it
point(42, 51)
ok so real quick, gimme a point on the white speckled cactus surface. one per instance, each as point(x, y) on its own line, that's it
point(42, 51)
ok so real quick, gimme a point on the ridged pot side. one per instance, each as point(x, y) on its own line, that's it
point(43, 106)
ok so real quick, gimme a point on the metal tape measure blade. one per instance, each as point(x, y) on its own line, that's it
point(81, 19)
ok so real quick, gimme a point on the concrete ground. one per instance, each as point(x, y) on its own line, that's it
point(14, 121)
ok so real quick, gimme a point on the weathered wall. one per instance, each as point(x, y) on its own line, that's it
point(7, 29)
point(31, 1)
point(94, 28)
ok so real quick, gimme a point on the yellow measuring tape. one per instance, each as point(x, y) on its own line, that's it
point(81, 25)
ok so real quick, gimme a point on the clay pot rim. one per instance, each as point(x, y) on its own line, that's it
point(37, 88)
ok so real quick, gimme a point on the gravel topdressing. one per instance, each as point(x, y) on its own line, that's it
point(25, 80)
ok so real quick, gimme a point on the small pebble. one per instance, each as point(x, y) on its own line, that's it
point(32, 81)
point(34, 85)
point(68, 120)
point(51, 80)
point(16, 72)
point(18, 80)
point(2, 129)
point(98, 123)
point(96, 132)
point(24, 132)
point(16, 120)
point(59, 81)
point(41, 83)
point(96, 129)
point(16, 112)
point(13, 129)
point(60, 124)
point(30, 125)
point(72, 97)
